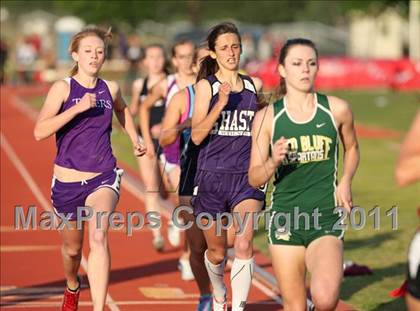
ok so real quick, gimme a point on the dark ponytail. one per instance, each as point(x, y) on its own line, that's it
point(209, 65)
point(281, 90)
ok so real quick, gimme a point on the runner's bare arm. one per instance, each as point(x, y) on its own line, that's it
point(408, 165)
point(135, 96)
point(262, 99)
point(262, 166)
point(258, 84)
point(124, 118)
point(203, 120)
point(49, 121)
point(171, 127)
point(343, 117)
point(155, 94)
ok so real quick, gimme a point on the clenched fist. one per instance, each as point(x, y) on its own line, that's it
point(139, 149)
point(224, 92)
point(280, 149)
point(88, 101)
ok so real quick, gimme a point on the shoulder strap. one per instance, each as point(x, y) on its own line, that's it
point(171, 83)
point(323, 100)
point(144, 89)
point(278, 106)
point(106, 84)
point(211, 79)
point(191, 93)
point(249, 83)
point(214, 84)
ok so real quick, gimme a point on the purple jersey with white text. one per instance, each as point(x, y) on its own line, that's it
point(84, 143)
point(227, 148)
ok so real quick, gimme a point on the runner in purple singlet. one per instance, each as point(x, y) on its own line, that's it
point(78, 110)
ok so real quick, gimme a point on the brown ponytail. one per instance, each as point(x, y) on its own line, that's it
point(281, 89)
point(208, 67)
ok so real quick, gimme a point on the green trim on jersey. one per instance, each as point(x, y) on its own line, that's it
point(307, 178)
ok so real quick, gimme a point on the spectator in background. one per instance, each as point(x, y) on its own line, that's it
point(265, 49)
point(122, 44)
point(3, 58)
point(25, 58)
point(35, 41)
point(134, 51)
point(134, 54)
point(248, 49)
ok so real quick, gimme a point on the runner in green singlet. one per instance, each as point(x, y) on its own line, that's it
point(296, 140)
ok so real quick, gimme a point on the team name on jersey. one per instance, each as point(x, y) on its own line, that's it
point(100, 103)
point(308, 148)
point(234, 123)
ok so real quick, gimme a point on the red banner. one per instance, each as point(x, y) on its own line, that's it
point(350, 73)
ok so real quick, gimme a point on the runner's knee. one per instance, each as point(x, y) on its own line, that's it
point(72, 250)
point(217, 255)
point(98, 240)
point(324, 300)
point(243, 248)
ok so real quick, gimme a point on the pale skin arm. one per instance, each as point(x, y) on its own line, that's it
point(202, 119)
point(49, 122)
point(135, 96)
point(260, 96)
point(258, 84)
point(407, 170)
point(125, 119)
point(262, 166)
point(155, 94)
point(344, 119)
point(171, 128)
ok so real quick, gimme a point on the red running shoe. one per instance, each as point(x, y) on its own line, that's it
point(71, 299)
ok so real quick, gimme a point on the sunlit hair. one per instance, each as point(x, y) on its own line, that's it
point(104, 35)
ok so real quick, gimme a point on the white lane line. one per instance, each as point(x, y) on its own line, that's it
point(24, 173)
point(27, 248)
point(11, 154)
point(6, 291)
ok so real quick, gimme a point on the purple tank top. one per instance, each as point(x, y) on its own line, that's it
point(227, 148)
point(84, 143)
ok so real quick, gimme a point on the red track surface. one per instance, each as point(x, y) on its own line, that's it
point(31, 269)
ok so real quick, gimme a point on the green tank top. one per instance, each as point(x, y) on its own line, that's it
point(308, 175)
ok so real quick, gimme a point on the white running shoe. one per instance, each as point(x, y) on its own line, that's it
point(174, 234)
point(158, 243)
point(219, 306)
point(185, 268)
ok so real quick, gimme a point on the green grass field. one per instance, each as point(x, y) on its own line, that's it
point(383, 250)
